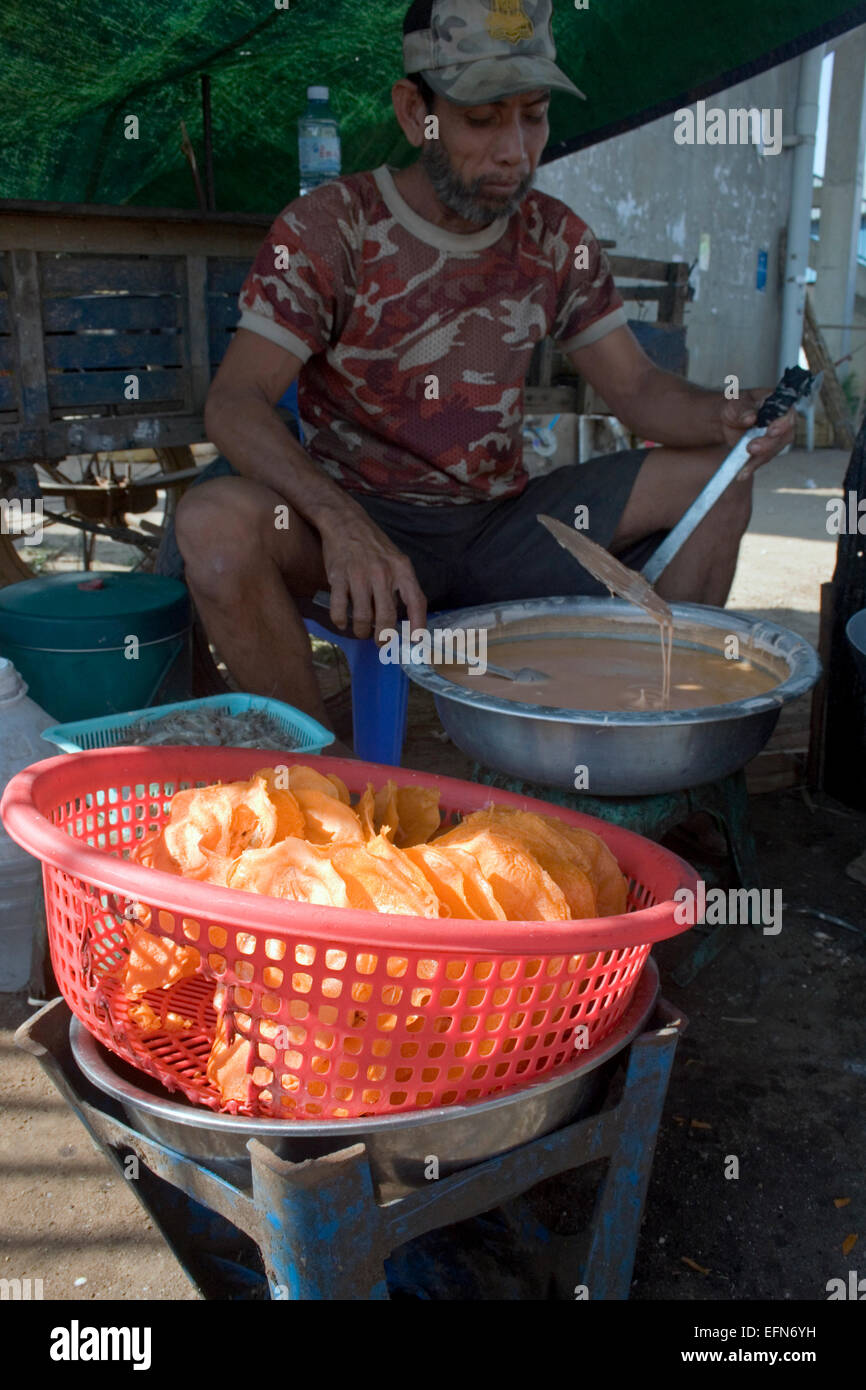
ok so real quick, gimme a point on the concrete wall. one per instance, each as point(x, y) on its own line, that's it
point(657, 198)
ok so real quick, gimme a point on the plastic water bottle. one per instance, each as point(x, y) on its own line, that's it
point(21, 723)
point(318, 141)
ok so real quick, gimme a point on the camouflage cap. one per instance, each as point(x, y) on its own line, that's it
point(476, 51)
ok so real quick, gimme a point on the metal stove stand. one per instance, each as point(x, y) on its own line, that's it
point(316, 1231)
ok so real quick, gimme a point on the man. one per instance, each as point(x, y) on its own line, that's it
point(407, 304)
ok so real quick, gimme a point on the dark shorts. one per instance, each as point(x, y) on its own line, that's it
point(488, 552)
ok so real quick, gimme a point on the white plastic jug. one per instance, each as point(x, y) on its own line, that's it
point(21, 723)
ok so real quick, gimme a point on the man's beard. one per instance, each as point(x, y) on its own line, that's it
point(466, 199)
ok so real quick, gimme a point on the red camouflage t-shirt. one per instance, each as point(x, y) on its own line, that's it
point(416, 341)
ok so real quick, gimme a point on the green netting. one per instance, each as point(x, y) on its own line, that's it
point(70, 73)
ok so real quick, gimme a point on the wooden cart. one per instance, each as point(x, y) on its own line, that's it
point(112, 322)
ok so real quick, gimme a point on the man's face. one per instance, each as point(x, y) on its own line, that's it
point(484, 162)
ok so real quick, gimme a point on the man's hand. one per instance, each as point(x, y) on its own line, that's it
point(739, 416)
point(365, 568)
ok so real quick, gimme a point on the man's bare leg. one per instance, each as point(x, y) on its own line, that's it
point(243, 573)
point(666, 486)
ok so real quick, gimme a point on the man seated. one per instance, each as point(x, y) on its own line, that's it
point(407, 304)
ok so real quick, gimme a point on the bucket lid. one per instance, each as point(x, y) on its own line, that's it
point(86, 610)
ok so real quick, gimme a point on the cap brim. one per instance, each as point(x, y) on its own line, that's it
point(494, 79)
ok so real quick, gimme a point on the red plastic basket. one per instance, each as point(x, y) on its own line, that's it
point(350, 1013)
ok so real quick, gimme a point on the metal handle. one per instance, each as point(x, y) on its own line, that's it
point(795, 384)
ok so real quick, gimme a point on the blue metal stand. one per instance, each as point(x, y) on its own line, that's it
point(315, 1230)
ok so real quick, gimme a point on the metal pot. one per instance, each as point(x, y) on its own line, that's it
point(398, 1146)
point(626, 753)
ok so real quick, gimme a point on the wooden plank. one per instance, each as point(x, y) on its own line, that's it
point(99, 434)
point(131, 237)
point(218, 345)
point(5, 323)
point(18, 444)
point(78, 275)
point(7, 355)
point(226, 276)
point(94, 213)
point(83, 351)
point(224, 311)
point(648, 292)
point(25, 308)
point(832, 395)
point(66, 227)
point(639, 268)
point(120, 432)
point(551, 400)
point(672, 304)
point(68, 389)
point(137, 312)
point(197, 344)
point(8, 394)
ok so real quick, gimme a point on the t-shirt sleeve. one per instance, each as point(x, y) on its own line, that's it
point(589, 305)
point(293, 292)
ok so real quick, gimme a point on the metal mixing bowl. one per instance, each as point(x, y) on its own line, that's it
point(398, 1146)
point(626, 753)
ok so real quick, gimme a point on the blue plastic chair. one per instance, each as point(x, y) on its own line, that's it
point(380, 695)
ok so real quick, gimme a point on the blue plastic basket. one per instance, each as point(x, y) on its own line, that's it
point(303, 734)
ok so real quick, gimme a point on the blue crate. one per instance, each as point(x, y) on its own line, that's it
point(303, 734)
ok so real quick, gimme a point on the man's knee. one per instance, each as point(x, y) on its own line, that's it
point(219, 528)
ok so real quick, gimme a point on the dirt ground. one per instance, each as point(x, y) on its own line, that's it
point(770, 1071)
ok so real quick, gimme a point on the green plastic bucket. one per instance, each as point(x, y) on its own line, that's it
point(92, 644)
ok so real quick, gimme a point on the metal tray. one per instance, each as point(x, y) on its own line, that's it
point(399, 1146)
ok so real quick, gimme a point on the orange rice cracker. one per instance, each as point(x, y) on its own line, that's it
point(227, 1064)
point(224, 819)
point(455, 878)
point(146, 1018)
point(552, 851)
point(155, 962)
point(611, 885)
point(327, 820)
point(408, 815)
point(292, 869)
point(524, 890)
point(366, 812)
point(376, 882)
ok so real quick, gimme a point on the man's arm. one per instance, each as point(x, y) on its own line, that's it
point(240, 419)
point(667, 409)
point(362, 565)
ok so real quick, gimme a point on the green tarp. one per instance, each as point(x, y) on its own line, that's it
point(72, 73)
